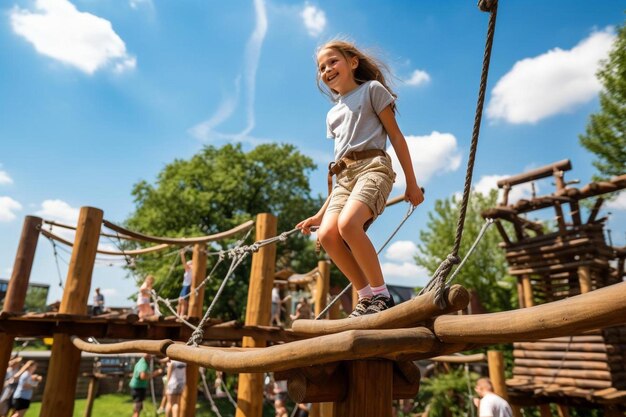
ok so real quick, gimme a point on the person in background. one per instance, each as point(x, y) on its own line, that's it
point(143, 298)
point(176, 380)
point(280, 398)
point(10, 384)
point(303, 310)
point(490, 404)
point(139, 382)
point(98, 302)
point(183, 298)
point(27, 381)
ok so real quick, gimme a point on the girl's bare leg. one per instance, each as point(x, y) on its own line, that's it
point(333, 244)
point(350, 225)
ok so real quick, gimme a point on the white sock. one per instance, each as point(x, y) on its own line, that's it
point(365, 292)
point(382, 290)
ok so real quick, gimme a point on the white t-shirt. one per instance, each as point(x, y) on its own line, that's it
point(275, 295)
point(178, 375)
point(491, 405)
point(187, 278)
point(353, 121)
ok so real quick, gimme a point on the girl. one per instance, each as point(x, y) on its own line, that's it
point(360, 122)
point(176, 380)
point(24, 391)
point(143, 299)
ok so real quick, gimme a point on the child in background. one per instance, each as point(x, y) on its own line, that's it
point(143, 299)
point(183, 297)
point(360, 122)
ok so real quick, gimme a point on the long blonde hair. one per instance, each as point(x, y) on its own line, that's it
point(369, 67)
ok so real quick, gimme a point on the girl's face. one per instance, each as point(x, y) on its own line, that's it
point(337, 71)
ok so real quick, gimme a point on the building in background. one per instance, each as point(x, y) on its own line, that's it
point(36, 295)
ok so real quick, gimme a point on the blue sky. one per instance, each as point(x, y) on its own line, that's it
point(99, 94)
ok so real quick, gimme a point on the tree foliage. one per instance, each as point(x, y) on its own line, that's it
point(605, 135)
point(485, 272)
point(215, 190)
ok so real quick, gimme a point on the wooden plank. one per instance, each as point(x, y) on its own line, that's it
point(562, 372)
point(554, 364)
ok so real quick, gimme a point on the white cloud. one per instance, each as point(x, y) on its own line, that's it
point(314, 20)
point(418, 78)
point(402, 251)
point(436, 153)
point(58, 30)
point(136, 4)
point(551, 83)
point(490, 182)
point(618, 203)
point(8, 207)
point(206, 130)
point(58, 210)
point(405, 273)
point(5, 179)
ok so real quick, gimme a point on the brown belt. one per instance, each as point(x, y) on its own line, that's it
point(335, 168)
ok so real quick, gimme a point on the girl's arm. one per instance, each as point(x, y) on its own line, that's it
point(315, 220)
point(413, 192)
point(184, 260)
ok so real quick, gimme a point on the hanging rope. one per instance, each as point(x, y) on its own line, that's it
point(207, 395)
point(438, 281)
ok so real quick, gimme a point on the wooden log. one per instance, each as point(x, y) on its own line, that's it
point(58, 397)
point(349, 345)
point(554, 364)
point(584, 277)
point(562, 410)
point(548, 268)
point(503, 233)
point(535, 174)
point(196, 299)
point(407, 314)
point(595, 210)
point(600, 308)
point(366, 397)
point(330, 388)
point(560, 221)
point(322, 286)
point(582, 356)
point(562, 347)
point(527, 288)
point(91, 395)
point(574, 382)
point(250, 387)
point(18, 284)
point(562, 372)
point(495, 360)
point(477, 357)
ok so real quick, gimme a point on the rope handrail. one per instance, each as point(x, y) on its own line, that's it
point(70, 227)
point(132, 252)
point(179, 241)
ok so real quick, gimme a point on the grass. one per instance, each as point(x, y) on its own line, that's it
point(116, 405)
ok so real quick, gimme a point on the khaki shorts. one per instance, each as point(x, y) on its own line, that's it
point(368, 181)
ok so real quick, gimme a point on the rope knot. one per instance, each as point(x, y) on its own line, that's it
point(487, 5)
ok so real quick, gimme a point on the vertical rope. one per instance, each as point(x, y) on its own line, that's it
point(438, 281)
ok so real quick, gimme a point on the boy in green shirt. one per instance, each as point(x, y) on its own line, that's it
point(139, 382)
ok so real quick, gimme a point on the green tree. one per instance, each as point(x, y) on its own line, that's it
point(605, 134)
point(485, 272)
point(215, 190)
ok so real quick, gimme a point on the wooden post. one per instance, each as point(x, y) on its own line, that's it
point(198, 271)
point(321, 298)
point(91, 394)
point(495, 360)
point(250, 391)
point(584, 277)
point(18, 284)
point(58, 396)
point(562, 410)
point(528, 291)
point(322, 287)
point(370, 389)
point(544, 410)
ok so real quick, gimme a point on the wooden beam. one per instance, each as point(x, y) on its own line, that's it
point(370, 390)
point(58, 397)
point(250, 391)
point(322, 286)
point(18, 284)
point(198, 271)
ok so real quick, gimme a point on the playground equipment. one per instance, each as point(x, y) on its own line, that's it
point(585, 369)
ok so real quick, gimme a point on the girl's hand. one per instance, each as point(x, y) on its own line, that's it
point(305, 225)
point(414, 195)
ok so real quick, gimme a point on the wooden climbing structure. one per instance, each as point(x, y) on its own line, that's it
point(589, 368)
